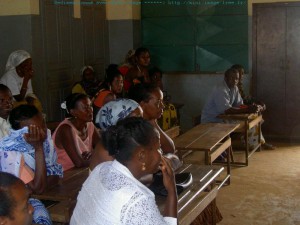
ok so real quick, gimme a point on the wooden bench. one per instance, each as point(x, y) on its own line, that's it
point(247, 122)
point(195, 198)
point(65, 194)
point(204, 143)
point(62, 211)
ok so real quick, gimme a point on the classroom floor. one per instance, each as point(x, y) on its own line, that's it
point(267, 192)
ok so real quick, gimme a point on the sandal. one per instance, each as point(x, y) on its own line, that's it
point(267, 146)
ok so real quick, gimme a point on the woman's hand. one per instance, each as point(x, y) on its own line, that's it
point(35, 137)
point(168, 175)
point(28, 75)
point(169, 183)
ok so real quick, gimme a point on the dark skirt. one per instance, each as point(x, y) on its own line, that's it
point(205, 217)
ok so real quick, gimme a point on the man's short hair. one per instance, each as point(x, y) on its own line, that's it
point(230, 71)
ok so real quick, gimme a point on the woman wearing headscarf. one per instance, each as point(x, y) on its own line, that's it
point(116, 110)
point(89, 84)
point(17, 77)
point(109, 115)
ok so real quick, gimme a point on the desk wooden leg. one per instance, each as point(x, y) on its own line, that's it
point(259, 136)
point(228, 164)
point(208, 160)
point(247, 143)
point(214, 212)
point(231, 154)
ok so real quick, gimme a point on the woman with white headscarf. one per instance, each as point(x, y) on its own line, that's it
point(116, 110)
point(109, 115)
point(17, 77)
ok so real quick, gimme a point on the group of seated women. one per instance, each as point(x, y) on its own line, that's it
point(129, 136)
point(133, 144)
point(121, 148)
point(26, 146)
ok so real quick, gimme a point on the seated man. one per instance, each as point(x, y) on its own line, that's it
point(226, 98)
point(248, 100)
point(6, 104)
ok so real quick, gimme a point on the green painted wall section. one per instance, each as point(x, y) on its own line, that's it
point(201, 36)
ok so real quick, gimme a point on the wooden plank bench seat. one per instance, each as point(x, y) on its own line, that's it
point(62, 211)
point(196, 197)
point(65, 194)
point(204, 143)
point(247, 122)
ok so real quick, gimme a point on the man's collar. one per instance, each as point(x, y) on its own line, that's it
point(225, 84)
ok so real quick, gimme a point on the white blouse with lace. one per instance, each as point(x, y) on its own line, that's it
point(112, 196)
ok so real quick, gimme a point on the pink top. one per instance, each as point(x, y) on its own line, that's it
point(81, 145)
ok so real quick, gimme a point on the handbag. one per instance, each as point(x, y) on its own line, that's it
point(182, 181)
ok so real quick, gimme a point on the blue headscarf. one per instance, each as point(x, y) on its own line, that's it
point(113, 111)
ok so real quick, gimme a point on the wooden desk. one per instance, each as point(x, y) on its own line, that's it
point(67, 188)
point(247, 122)
point(65, 193)
point(195, 198)
point(212, 138)
point(191, 202)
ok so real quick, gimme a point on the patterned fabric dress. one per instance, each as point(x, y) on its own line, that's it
point(16, 153)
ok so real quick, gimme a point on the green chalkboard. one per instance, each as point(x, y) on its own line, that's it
point(202, 36)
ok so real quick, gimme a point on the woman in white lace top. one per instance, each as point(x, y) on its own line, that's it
point(113, 194)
